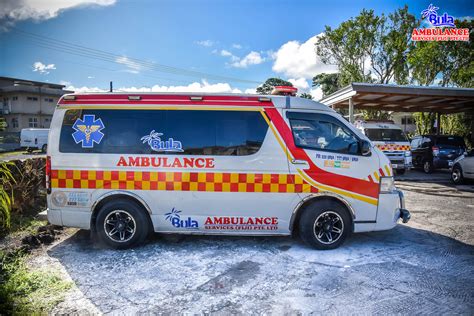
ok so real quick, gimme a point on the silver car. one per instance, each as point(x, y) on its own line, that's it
point(463, 168)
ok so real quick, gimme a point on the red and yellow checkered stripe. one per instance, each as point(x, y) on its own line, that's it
point(180, 181)
point(393, 147)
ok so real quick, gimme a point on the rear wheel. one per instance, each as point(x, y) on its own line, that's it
point(427, 166)
point(456, 175)
point(122, 224)
point(325, 225)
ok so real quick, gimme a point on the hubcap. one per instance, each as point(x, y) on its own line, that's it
point(427, 166)
point(328, 227)
point(456, 175)
point(120, 226)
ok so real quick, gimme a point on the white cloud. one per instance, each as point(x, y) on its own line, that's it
point(317, 93)
point(90, 77)
point(300, 83)
point(20, 10)
point(226, 53)
point(250, 91)
point(205, 43)
point(236, 46)
point(132, 66)
point(299, 60)
point(252, 58)
point(203, 86)
point(42, 68)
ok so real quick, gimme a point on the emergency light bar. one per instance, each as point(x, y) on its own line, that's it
point(284, 90)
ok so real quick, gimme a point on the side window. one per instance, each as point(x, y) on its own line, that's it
point(322, 132)
point(425, 142)
point(188, 132)
point(415, 143)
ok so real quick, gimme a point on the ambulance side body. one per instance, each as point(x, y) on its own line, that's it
point(262, 193)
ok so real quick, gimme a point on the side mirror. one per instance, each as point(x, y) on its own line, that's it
point(365, 148)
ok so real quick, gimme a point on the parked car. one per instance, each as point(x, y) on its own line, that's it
point(215, 164)
point(463, 168)
point(34, 138)
point(431, 152)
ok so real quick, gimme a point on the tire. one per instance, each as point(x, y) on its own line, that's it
point(456, 175)
point(128, 219)
point(44, 149)
point(328, 215)
point(400, 171)
point(427, 166)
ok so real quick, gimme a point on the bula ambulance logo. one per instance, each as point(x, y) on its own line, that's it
point(156, 144)
point(174, 218)
point(437, 20)
point(88, 131)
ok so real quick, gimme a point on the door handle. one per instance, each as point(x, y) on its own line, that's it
point(299, 162)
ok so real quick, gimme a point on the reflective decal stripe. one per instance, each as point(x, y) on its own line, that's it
point(327, 179)
point(392, 147)
point(180, 181)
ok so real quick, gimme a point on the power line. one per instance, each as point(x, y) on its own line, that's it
point(133, 63)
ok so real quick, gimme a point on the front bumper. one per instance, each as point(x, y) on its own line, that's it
point(404, 213)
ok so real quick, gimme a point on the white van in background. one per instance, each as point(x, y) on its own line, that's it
point(34, 138)
point(390, 138)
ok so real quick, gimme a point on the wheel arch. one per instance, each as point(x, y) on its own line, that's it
point(114, 195)
point(299, 209)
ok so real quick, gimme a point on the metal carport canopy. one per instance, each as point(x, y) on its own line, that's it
point(402, 98)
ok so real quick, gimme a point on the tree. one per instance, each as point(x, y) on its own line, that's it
point(267, 86)
point(306, 96)
point(329, 83)
point(347, 46)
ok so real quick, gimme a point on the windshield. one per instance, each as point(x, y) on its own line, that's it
point(385, 134)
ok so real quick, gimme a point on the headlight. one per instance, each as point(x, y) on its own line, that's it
point(387, 185)
point(407, 153)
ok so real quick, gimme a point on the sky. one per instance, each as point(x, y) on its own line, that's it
point(180, 45)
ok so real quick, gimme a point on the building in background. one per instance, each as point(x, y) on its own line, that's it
point(28, 104)
point(405, 120)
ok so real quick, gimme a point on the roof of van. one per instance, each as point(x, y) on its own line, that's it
point(192, 99)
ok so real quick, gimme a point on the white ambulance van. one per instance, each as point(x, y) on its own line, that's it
point(34, 138)
point(127, 165)
point(391, 139)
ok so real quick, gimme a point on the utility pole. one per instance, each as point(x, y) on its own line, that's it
point(111, 87)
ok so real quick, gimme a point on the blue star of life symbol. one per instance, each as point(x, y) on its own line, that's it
point(88, 131)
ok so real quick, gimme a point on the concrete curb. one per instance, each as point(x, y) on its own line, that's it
point(43, 216)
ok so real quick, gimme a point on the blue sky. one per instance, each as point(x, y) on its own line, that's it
point(247, 40)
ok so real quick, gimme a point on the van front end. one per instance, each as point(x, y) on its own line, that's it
point(391, 205)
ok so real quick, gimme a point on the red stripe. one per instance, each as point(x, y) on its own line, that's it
point(381, 172)
point(101, 99)
point(370, 179)
point(338, 181)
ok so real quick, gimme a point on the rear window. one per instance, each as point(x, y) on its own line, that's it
point(186, 132)
point(385, 134)
point(455, 141)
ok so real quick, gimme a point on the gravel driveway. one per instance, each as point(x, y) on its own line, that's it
point(424, 267)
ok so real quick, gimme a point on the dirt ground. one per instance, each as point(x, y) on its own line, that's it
point(426, 266)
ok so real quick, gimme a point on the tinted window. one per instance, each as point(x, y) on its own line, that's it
point(232, 133)
point(322, 132)
point(385, 134)
point(451, 141)
point(415, 143)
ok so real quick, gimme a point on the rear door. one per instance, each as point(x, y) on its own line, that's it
point(450, 147)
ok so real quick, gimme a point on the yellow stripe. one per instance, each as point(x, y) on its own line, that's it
point(338, 191)
point(376, 175)
point(387, 169)
point(277, 136)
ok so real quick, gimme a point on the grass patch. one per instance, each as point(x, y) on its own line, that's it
point(23, 291)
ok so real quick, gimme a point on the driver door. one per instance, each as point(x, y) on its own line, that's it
point(327, 154)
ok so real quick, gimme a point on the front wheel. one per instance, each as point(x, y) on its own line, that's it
point(400, 171)
point(325, 225)
point(122, 224)
point(456, 175)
